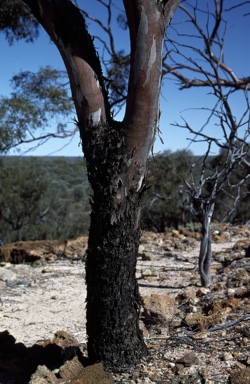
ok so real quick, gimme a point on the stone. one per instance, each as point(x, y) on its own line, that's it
point(46, 250)
point(195, 378)
point(240, 376)
point(149, 272)
point(70, 369)
point(43, 376)
point(72, 372)
point(93, 374)
point(6, 275)
point(227, 356)
point(194, 235)
point(64, 339)
point(175, 233)
point(188, 360)
point(188, 293)
point(242, 276)
point(241, 244)
point(159, 309)
point(227, 235)
point(202, 291)
point(141, 249)
point(144, 256)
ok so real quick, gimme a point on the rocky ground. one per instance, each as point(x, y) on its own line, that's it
point(194, 334)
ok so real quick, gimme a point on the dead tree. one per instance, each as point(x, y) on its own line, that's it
point(204, 198)
point(202, 65)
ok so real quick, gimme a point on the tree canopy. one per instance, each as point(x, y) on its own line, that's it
point(37, 100)
point(16, 21)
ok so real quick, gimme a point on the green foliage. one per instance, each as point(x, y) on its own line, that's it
point(33, 104)
point(43, 198)
point(48, 198)
point(22, 197)
point(166, 204)
point(17, 22)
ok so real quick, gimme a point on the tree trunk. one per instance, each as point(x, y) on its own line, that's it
point(113, 300)
point(205, 255)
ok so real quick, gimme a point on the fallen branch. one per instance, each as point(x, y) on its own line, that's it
point(223, 326)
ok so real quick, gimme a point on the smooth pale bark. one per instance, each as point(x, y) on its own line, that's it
point(116, 156)
point(205, 255)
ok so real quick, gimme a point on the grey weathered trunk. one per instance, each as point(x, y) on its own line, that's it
point(205, 255)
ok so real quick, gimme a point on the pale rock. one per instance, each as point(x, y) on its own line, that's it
point(43, 376)
point(227, 236)
point(159, 308)
point(6, 275)
point(141, 249)
point(227, 356)
point(149, 272)
point(202, 291)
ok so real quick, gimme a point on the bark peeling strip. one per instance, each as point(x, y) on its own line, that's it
point(67, 52)
point(141, 51)
point(98, 84)
point(140, 183)
point(78, 93)
point(152, 59)
point(95, 118)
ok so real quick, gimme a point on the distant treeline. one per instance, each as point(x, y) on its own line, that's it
point(48, 197)
point(43, 198)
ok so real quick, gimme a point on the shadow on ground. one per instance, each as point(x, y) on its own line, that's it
point(54, 361)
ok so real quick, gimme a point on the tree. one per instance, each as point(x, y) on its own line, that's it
point(196, 56)
point(35, 101)
point(232, 133)
point(22, 198)
point(116, 157)
point(205, 190)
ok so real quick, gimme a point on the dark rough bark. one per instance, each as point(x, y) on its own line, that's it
point(113, 300)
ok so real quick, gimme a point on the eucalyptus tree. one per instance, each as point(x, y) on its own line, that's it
point(116, 156)
point(117, 152)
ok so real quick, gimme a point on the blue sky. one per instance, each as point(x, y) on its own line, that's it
point(174, 103)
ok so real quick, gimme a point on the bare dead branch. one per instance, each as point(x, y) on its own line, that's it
point(41, 139)
point(224, 326)
point(214, 35)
